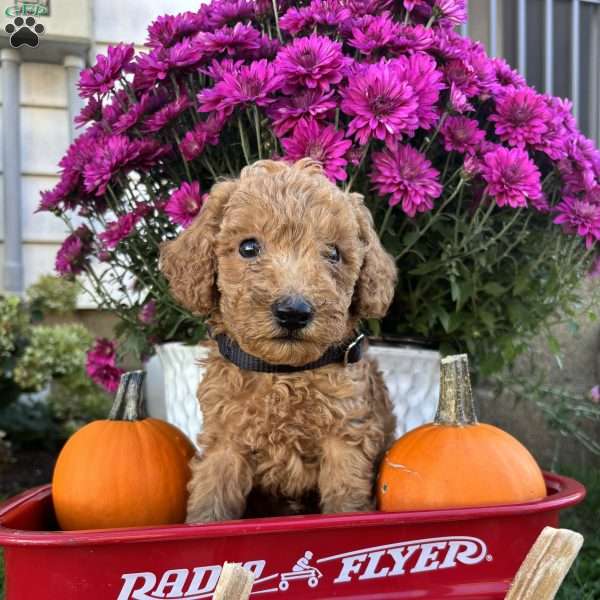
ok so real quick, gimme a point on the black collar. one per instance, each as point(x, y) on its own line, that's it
point(346, 353)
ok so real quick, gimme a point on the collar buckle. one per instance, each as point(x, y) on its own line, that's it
point(353, 353)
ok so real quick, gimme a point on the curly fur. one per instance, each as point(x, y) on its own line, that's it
point(284, 436)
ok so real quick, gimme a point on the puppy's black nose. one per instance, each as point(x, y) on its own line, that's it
point(293, 312)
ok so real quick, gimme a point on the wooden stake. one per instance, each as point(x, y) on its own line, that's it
point(235, 583)
point(546, 565)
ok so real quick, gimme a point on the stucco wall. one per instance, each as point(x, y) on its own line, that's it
point(44, 114)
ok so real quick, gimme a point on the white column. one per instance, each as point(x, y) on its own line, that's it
point(11, 145)
point(73, 65)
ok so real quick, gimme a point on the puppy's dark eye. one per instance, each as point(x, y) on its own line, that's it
point(250, 248)
point(332, 254)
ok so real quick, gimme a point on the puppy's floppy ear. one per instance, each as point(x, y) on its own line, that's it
point(189, 262)
point(374, 290)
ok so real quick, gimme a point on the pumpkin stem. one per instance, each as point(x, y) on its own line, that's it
point(456, 397)
point(129, 404)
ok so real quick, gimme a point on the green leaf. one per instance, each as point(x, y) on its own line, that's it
point(444, 319)
point(553, 345)
point(517, 313)
point(425, 268)
point(455, 321)
point(488, 320)
point(410, 238)
point(522, 283)
point(455, 290)
point(494, 289)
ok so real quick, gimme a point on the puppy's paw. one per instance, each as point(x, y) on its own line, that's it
point(349, 504)
point(201, 516)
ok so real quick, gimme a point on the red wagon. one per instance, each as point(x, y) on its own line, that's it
point(461, 553)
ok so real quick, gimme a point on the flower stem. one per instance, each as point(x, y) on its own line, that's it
point(433, 219)
point(384, 224)
point(186, 166)
point(257, 129)
point(243, 140)
point(428, 143)
point(276, 15)
point(358, 168)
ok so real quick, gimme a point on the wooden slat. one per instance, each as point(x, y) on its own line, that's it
point(546, 565)
point(235, 583)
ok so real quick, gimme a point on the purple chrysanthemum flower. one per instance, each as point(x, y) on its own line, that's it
point(92, 111)
point(381, 105)
point(240, 41)
point(374, 34)
point(184, 204)
point(413, 38)
point(484, 69)
point(148, 152)
point(147, 313)
point(585, 162)
point(312, 105)
point(593, 195)
point(103, 352)
point(506, 75)
point(68, 191)
point(420, 71)
point(195, 140)
point(150, 68)
point(560, 125)
point(101, 365)
point(511, 177)
point(463, 83)
point(170, 29)
point(313, 62)
point(252, 84)
point(329, 13)
point(450, 45)
point(114, 154)
point(218, 68)
point(521, 117)
point(127, 120)
point(50, 200)
point(362, 8)
point(296, 20)
point(323, 144)
point(407, 175)
point(229, 12)
point(452, 12)
point(118, 230)
point(318, 14)
point(579, 217)
point(268, 48)
point(461, 135)
point(166, 114)
point(101, 78)
point(73, 255)
point(459, 101)
point(183, 54)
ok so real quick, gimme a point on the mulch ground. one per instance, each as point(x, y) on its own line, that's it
point(28, 468)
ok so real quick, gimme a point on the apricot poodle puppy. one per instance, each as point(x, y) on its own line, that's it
point(284, 265)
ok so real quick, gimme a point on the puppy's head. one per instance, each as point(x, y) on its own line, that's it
point(282, 261)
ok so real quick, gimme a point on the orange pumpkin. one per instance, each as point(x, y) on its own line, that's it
point(125, 471)
point(456, 461)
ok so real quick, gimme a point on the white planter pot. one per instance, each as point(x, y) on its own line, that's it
point(411, 375)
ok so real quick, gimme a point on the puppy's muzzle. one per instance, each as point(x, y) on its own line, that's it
point(293, 312)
